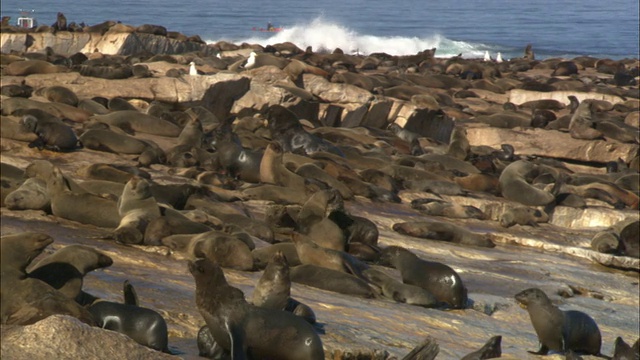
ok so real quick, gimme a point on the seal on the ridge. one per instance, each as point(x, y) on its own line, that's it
point(247, 330)
point(437, 278)
point(559, 330)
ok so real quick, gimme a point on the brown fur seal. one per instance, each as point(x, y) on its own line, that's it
point(437, 278)
point(247, 330)
point(58, 94)
point(261, 256)
point(274, 287)
point(224, 249)
point(314, 222)
point(332, 280)
point(582, 125)
point(442, 231)
point(85, 208)
point(436, 207)
point(622, 350)
point(514, 184)
point(313, 254)
point(559, 330)
point(29, 67)
point(135, 121)
point(24, 300)
point(522, 215)
point(65, 268)
point(31, 195)
point(274, 171)
point(52, 134)
point(137, 208)
point(147, 327)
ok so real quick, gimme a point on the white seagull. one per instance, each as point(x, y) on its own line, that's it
point(487, 57)
point(192, 69)
point(499, 58)
point(251, 61)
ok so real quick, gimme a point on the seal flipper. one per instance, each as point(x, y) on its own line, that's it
point(426, 350)
point(544, 350)
point(130, 295)
point(236, 337)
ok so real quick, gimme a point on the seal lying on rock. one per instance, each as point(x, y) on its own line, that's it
point(247, 330)
point(443, 231)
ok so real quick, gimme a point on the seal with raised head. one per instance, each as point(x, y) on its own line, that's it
point(437, 278)
point(246, 330)
point(515, 186)
point(559, 330)
point(30, 300)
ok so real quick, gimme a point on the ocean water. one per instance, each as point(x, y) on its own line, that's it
point(565, 28)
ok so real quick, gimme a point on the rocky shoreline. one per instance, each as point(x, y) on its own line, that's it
point(388, 133)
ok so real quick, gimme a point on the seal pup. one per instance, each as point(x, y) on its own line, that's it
point(559, 330)
point(247, 330)
point(65, 269)
point(581, 125)
point(490, 350)
point(137, 208)
point(437, 278)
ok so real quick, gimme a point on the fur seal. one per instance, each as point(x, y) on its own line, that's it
point(559, 330)
point(514, 184)
point(85, 208)
point(312, 254)
point(30, 300)
point(332, 280)
point(404, 293)
point(52, 134)
point(224, 249)
point(135, 121)
point(58, 94)
point(31, 195)
point(247, 330)
point(147, 327)
point(436, 207)
point(274, 171)
point(29, 67)
point(65, 268)
point(261, 256)
point(437, 278)
point(622, 350)
point(442, 231)
point(581, 125)
point(137, 208)
point(522, 215)
point(490, 350)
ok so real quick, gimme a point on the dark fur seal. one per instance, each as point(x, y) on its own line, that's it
point(437, 278)
point(30, 300)
point(147, 327)
point(52, 134)
point(65, 268)
point(332, 280)
point(559, 330)
point(247, 330)
point(443, 231)
point(404, 293)
point(491, 349)
point(622, 350)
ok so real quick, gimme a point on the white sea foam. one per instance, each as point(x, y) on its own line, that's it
point(322, 34)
